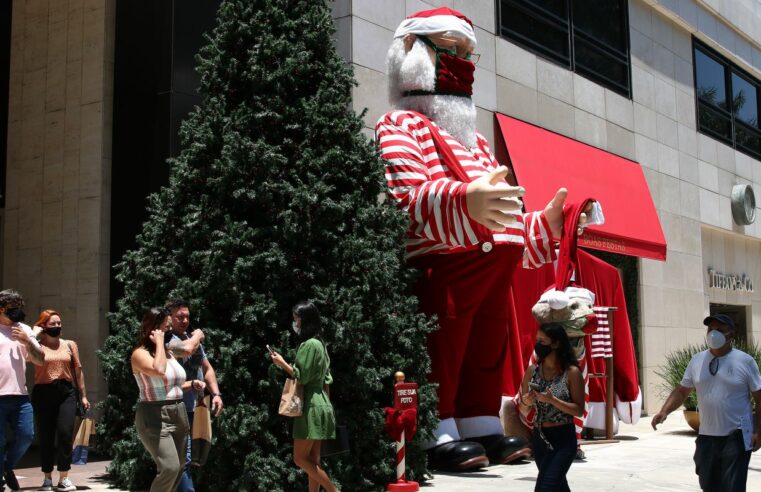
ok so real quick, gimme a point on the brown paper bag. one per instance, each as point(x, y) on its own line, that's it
point(292, 399)
point(201, 432)
point(81, 445)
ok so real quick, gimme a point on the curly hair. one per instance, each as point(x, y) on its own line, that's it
point(10, 297)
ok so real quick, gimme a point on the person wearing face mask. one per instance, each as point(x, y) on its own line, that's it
point(160, 419)
point(723, 378)
point(54, 399)
point(17, 346)
point(555, 386)
point(312, 369)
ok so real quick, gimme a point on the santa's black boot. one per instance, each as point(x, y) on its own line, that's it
point(457, 456)
point(503, 449)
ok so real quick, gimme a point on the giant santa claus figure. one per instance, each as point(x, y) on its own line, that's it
point(467, 232)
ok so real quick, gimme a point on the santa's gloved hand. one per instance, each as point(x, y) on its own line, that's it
point(492, 202)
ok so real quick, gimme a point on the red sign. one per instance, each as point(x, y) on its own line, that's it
point(405, 395)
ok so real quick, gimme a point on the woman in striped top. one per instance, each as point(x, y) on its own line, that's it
point(161, 420)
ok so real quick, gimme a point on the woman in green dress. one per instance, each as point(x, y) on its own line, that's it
point(312, 370)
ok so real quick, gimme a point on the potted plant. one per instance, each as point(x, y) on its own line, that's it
point(672, 372)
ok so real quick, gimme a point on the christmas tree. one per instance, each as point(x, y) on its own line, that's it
point(274, 199)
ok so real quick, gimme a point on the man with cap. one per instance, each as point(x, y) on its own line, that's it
point(467, 231)
point(723, 377)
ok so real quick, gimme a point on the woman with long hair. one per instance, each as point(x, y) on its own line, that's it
point(161, 419)
point(555, 386)
point(312, 369)
point(54, 398)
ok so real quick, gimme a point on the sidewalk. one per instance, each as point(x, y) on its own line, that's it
point(91, 476)
point(644, 460)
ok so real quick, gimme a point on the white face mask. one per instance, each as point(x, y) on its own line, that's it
point(296, 328)
point(715, 339)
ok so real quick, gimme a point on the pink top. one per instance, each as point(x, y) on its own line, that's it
point(13, 357)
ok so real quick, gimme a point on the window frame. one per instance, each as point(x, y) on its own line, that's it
point(730, 69)
point(613, 52)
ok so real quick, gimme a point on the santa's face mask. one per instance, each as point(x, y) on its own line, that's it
point(454, 74)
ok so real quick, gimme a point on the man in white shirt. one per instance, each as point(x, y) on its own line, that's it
point(17, 345)
point(724, 379)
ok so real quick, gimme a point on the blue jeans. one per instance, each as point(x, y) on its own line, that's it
point(15, 411)
point(186, 482)
point(554, 460)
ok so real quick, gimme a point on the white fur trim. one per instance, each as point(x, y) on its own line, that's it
point(444, 433)
point(595, 217)
point(630, 411)
point(596, 417)
point(479, 426)
point(435, 24)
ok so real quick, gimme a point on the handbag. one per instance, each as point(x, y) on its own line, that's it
point(81, 411)
point(292, 399)
point(201, 432)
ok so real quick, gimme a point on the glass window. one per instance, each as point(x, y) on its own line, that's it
point(587, 16)
point(733, 120)
point(710, 80)
point(537, 29)
point(591, 37)
point(744, 100)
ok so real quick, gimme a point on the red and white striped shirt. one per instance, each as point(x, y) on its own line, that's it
point(426, 189)
point(600, 341)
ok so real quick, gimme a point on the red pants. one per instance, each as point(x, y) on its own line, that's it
point(468, 292)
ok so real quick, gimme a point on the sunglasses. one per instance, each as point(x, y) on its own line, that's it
point(713, 367)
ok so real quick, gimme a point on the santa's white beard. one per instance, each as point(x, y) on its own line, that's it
point(415, 71)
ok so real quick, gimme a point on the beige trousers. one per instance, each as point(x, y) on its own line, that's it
point(163, 429)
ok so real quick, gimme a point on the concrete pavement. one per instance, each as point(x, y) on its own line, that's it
point(644, 461)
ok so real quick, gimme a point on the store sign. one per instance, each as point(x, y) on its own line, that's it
point(728, 281)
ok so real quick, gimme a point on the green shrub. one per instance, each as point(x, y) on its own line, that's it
point(673, 371)
point(676, 363)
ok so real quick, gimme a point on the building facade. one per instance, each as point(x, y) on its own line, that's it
point(672, 85)
point(627, 82)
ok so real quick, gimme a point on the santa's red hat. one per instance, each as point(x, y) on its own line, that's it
point(437, 20)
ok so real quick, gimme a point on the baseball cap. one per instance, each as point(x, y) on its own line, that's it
point(720, 318)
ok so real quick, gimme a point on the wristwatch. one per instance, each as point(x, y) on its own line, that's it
point(216, 394)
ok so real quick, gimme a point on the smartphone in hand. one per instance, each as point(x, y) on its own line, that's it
point(535, 387)
point(269, 349)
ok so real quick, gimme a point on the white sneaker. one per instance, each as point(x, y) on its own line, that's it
point(47, 484)
point(65, 485)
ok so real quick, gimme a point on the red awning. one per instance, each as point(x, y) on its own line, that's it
point(544, 161)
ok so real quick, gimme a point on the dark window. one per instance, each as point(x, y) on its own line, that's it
point(590, 37)
point(727, 101)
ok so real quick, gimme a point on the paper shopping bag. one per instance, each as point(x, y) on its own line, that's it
point(82, 442)
point(201, 432)
point(292, 399)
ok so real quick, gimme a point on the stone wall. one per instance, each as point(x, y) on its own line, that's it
point(57, 216)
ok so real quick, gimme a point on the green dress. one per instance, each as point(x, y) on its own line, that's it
point(312, 370)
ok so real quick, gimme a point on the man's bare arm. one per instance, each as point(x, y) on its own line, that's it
point(185, 348)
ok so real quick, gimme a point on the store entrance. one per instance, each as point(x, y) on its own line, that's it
point(739, 315)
